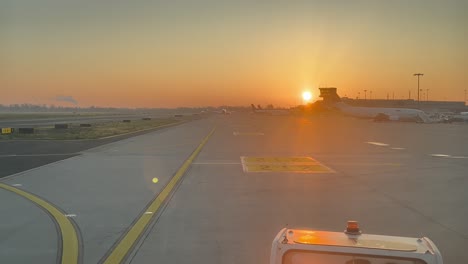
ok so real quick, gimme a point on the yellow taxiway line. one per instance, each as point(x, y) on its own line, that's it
point(69, 237)
point(125, 245)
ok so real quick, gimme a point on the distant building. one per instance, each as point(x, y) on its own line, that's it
point(440, 106)
point(330, 94)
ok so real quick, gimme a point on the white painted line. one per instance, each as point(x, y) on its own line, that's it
point(148, 213)
point(377, 144)
point(440, 155)
point(70, 215)
point(17, 185)
point(360, 164)
point(244, 167)
point(448, 156)
point(398, 148)
point(38, 155)
point(235, 133)
point(216, 163)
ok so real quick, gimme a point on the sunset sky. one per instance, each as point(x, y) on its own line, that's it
point(209, 53)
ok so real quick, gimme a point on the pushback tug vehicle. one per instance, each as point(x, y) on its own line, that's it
point(297, 246)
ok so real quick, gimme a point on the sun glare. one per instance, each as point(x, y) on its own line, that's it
point(306, 96)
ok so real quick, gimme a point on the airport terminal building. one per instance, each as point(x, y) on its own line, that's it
point(440, 106)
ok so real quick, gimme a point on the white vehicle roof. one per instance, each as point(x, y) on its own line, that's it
point(323, 238)
point(335, 247)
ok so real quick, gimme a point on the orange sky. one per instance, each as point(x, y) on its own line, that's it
point(138, 54)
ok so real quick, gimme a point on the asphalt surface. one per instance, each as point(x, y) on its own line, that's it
point(21, 155)
point(399, 179)
point(50, 121)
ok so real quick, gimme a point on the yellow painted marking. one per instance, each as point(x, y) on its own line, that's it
point(120, 251)
point(70, 249)
point(316, 168)
point(283, 164)
point(6, 130)
point(278, 160)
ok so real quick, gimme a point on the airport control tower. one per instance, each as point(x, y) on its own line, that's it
point(329, 95)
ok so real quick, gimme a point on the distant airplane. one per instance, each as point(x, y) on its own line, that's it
point(221, 112)
point(259, 110)
point(330, 96)
point(462, 117)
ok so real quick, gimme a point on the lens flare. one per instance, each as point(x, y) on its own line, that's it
point(306, 96)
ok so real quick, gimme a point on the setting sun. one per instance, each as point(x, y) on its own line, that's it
point(306, 96)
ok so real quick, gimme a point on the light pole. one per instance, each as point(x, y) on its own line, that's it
point(427, 94)
point(365, 94)
point(370, 95)
point(418, 74)
point(465, 96)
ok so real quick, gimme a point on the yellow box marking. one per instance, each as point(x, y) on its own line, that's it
point(6, 130)
point(317, 168)
point(70, 245)
point(121, 250)
point(283, 164)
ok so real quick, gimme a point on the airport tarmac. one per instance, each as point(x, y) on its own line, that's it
point(242, 178)
point(20, 155)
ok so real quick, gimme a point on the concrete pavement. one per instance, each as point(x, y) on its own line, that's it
point(20, 155)
point(105, 188)
point(220, 214)
point(17, 245)
point(385, 175)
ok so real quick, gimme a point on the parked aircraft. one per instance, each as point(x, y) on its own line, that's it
point(330, 97)
point(260, 110)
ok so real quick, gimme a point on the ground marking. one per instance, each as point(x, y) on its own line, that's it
point(380, 144)
point(448, 156)
point(123, 247)
point(283, 164)
point(216, 163)
point(69, 237)
point(440, 155)
point(38, 155)
point(248, 134)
